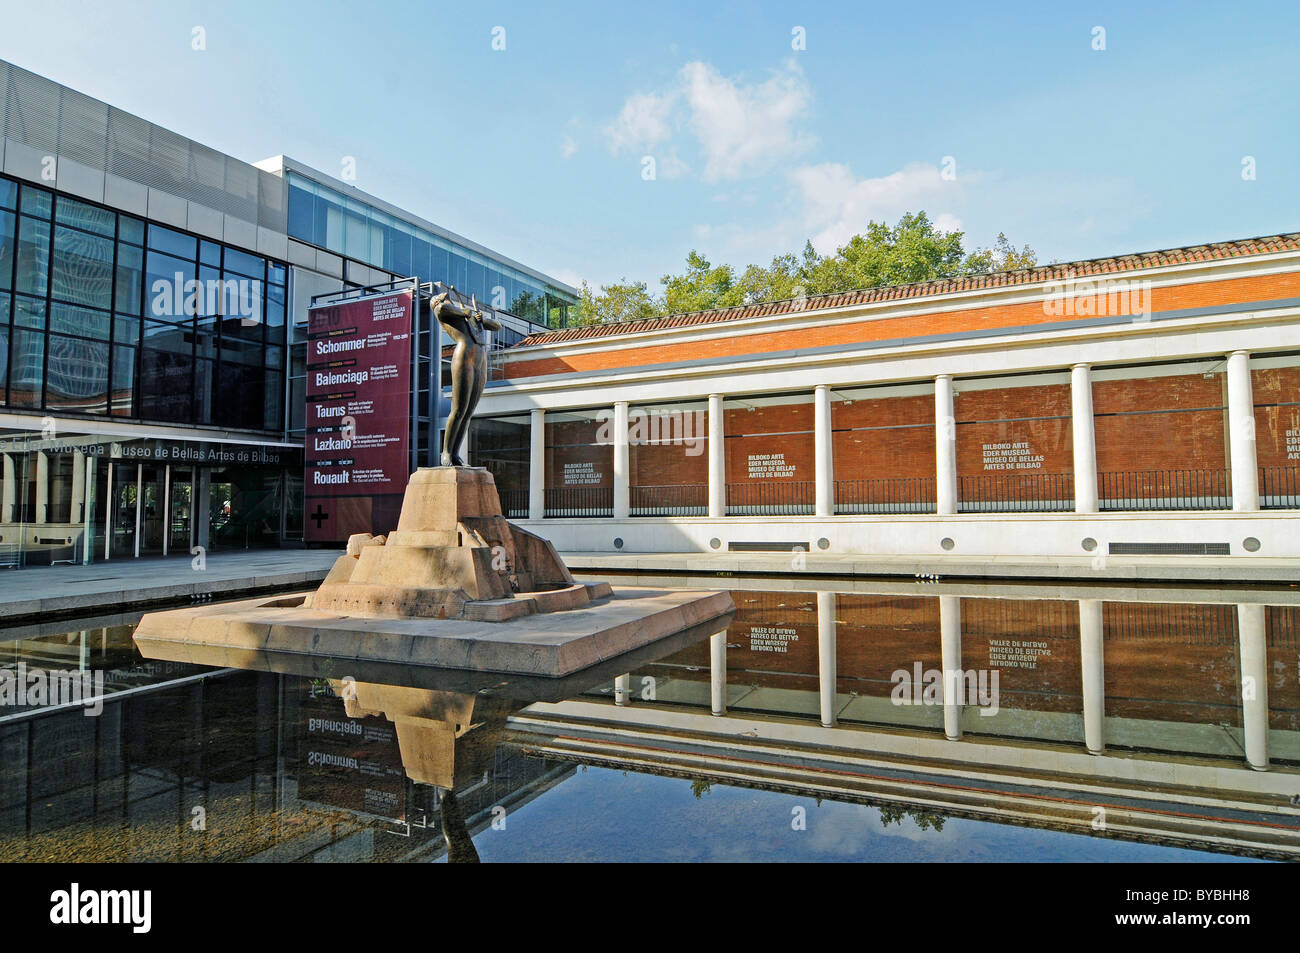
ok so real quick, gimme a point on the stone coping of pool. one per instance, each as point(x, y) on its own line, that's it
point(553, 644)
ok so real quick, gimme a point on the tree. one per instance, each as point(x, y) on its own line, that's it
point(702, 287)
point(619, 302)
point(912, 250)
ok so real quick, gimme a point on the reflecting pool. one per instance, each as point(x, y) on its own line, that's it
point(862, 721)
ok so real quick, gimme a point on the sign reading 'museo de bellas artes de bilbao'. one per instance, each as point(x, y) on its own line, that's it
point(358, 423)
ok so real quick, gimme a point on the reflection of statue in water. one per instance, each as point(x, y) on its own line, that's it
point(468, 367)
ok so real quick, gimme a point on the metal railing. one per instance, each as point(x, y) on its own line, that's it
point(1015, 493)
point(686, 499)
point(1279, 488)
point(595, 501)
point(770, 498)
point(514, 503)
point(885, 495)
point(1165, 490)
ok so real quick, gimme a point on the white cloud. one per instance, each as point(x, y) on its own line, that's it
point(643, 123)
point(836, 205)
point(745, 129)
point(568, 146)
point(740, 129)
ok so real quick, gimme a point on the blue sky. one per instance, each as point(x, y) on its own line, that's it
point(538, 150)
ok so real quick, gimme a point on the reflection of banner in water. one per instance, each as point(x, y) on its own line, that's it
point(351, 763)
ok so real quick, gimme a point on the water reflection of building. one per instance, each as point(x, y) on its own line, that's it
point(1128, 703)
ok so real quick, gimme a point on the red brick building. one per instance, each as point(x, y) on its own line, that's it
point(1146, 403)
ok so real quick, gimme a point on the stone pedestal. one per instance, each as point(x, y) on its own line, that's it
point(452, 556)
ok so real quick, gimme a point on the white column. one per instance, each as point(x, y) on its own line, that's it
point(1254, 684)
point(537, 464)
point(1094, 675)
point(718, 672)
point(717, 459)
point(826, 672)
point(42, 487)
point(1241, 434)
point(110, 513)
point(950, 653)
point(10, 491)
point(622, 689)
point(78, 486)
point(202, 507)
point(622, 487)
point(823, 452)
point(945, 447)
point(88, 509)
point(139, 494)
point(1083, 428)
point(167, 507)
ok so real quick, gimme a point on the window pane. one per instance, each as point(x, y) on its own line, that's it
point(165, 386)
point(274, 309)
point(35, 202)
point(178, 339)
point(130, 279)
point(130, 229)
point(8, 231)
point(205, 396)
point(33, 256)
point(275, 273)
point(242, 401)
point(273, 405)
point(29, 313)
point(168, 283)
point(250, 266)
point(83, 268)
point(8, 194)
point(126, 329)
point(80, 215)
point(301, 207)
point(27, 368)
point(172, 242)
point(210, 254)
point(70, 319)
point(77, 377)
point(122, 391)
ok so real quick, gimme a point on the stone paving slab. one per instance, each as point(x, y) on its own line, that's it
point(120, 584)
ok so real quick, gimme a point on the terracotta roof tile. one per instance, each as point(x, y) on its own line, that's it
point(1077, 269)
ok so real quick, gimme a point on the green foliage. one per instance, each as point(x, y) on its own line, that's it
point(912, 250)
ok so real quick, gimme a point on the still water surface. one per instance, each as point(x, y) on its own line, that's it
point(718, 751)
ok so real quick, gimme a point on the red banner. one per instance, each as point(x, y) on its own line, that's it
point(358, 421)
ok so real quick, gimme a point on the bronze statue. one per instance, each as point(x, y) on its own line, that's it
point(468, 366)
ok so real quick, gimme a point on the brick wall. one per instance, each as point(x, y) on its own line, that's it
point(888, 437)
point(1152, 424)
point(1199, 294)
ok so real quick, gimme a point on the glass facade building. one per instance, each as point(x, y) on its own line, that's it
point(103, 314)
point(323, 216)
point(153, 304)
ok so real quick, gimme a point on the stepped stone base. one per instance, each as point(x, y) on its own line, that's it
point(452, 556)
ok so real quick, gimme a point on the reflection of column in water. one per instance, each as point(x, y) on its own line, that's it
point(1094, 675)
point(622, 689)
point(826, 655)
point(950, 651)
point(718, 672)
point(1254, 684)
